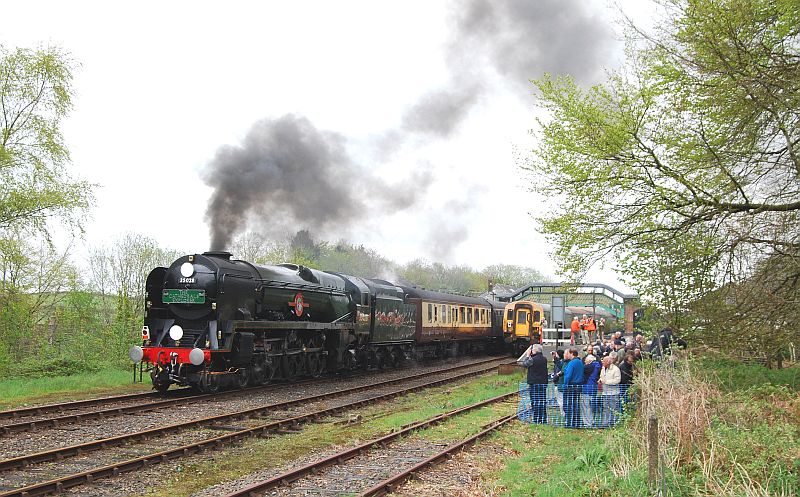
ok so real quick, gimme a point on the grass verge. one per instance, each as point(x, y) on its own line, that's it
point(24, 391)
point(725, 429)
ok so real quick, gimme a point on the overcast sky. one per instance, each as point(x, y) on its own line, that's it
point(392, 124)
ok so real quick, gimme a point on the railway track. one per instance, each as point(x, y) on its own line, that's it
point(154, 400)
point(345, 471)
point(68, 406)
point(33, 467)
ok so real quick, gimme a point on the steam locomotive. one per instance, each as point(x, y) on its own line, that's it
point(216, 322)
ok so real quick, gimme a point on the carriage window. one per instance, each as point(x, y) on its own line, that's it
point(469, 315)
point(430, 313)
point(436, 313)
point(444, 314)
point(463, 316)
point(483, 316)
point(522, 316)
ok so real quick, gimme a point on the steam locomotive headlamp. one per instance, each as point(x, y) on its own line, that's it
point(196, 356)
point(187, 269)
point(136, 353)
point(176, 332)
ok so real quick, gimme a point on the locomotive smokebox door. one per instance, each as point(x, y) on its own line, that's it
point(242, 348)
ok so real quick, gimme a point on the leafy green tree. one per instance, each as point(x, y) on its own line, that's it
point(513, 275)
point(759, 316)
point(441, 277)
point(702, 131)
point(357, 260)
point(696, 138)
point(35, 279)
point(35, 94)
point(672, 276)
point(119, 273)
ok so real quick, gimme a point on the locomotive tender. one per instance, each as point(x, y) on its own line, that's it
point(213, 321)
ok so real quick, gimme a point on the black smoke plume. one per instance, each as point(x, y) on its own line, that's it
point(288, 175)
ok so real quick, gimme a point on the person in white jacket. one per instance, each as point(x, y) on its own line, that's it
point(610, 377)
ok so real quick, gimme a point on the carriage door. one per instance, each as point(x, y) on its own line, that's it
point(536, 330)
point(522, 322)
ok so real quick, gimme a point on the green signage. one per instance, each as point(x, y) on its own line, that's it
point(183, 296)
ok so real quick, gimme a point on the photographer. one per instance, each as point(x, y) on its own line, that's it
point(536, 362)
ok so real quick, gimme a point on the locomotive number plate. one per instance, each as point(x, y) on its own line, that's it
point(183, 296)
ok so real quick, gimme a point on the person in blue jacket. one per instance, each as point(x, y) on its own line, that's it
point(573, 380)
point(591, 373)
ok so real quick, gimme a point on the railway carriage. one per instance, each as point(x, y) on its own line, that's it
point(453, 324)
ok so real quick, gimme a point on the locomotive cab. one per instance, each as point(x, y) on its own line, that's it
point(523, 324)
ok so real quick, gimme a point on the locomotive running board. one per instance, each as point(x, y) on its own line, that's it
point(289, 325)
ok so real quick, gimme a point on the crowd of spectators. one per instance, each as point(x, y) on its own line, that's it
point(590, 381)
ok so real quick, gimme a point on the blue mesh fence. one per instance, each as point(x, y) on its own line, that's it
point(574, 406)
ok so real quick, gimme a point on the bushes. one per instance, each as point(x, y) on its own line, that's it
point(34, 367)
point(726, 428)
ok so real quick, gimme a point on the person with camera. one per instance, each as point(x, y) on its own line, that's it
point(536, 363)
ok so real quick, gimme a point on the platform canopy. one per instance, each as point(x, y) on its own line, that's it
point(597, 299)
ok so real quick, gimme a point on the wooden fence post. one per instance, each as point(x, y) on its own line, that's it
point(652, 451)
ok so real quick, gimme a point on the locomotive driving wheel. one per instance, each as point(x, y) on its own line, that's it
point(242, 378)
point(262, 370)
point(208, 383)
point(291, 366)
point(315, 364)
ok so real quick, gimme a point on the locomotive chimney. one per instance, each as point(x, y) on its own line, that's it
point(219, 254)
